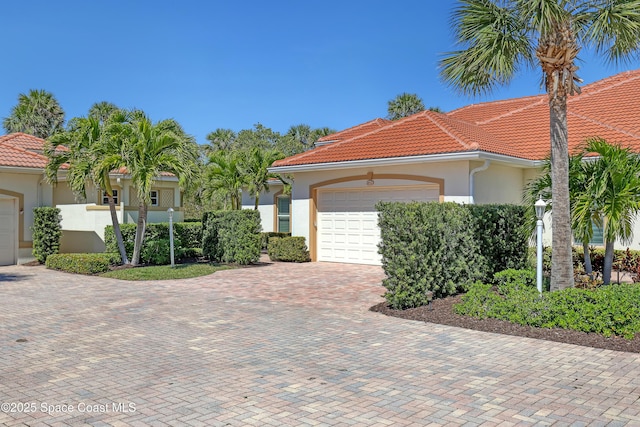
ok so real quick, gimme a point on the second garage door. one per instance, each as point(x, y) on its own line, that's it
point(8, 234)
point(348, 222)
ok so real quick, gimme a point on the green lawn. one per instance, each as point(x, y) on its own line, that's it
point(165, 272)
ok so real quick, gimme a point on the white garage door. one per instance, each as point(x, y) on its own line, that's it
point(8, 234)
point(348, 222)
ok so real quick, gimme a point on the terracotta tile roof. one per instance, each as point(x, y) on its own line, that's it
point(354, 131)
point(22, 150)
point(515, 127)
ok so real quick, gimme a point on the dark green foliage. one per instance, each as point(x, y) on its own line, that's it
point(83, 263)
point(514, 278)
point(46, 232)
point(427, 247)
point(502, 235)
point(267, 235)
point(232, 236)
point(156, 247)
point(609, 310)
point(289, 249)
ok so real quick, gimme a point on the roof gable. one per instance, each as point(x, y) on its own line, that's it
point(23, 150)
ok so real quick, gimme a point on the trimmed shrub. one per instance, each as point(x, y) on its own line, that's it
point(267, 235)
point(82, 263)
point(46, 232)
point(502, 235)
point(232, 236)
point(155, 247)
point(511, 278)
point(427, 247)
point(288, 249)
point(609, 310)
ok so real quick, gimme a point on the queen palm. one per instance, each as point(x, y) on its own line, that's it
point(148, 150)
point(499, 37)
point(90, 157)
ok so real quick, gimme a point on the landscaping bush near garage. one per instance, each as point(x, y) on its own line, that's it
point(502, 236)
point(427, 248)
point(232, 236)
point(46, 232)
point(288, 249)
point(82, 263)
point(609, 310)
point(156, 248)
point(268, 235)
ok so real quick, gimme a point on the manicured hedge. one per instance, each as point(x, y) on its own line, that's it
point(427, 247)
point(82, 263)
point(156, 247)
point(46, 232)
point(232, 236)
point(288, 249)
point(267, 235)
point(502, 235)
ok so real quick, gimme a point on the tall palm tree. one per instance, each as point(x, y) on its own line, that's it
point(224, 176)
point(254, 166)
point(220, 139)
point(102, 110)
point(37, 113)
point(150, 149)
point(404, 105)
point(499, 37)
point(611, 197)
point(90, 156)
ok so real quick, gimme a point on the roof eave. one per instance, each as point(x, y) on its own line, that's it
point(390, 161)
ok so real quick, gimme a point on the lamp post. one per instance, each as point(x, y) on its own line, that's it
point(540, 206)
point(170, 211)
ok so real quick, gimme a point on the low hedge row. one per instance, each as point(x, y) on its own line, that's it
point(609, 310)
point(82, 263)
point(288, 249)
point(267, 235)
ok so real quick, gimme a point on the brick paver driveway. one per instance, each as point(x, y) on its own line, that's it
point(281, 344)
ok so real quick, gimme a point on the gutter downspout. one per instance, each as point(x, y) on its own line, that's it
point(472, 191)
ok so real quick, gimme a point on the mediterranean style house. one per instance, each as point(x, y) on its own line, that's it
point(482, 153)
point(23, 187)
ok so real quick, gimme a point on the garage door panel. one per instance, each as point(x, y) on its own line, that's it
point(348, 222)
point(8, 232)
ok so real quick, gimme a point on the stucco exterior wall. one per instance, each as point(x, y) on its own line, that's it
point(498, 184)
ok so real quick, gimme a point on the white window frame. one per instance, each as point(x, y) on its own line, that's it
point(116, 197)
point(279, 215)
point(156, 197)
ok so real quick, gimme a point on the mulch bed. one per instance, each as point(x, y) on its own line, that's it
point(441, 312)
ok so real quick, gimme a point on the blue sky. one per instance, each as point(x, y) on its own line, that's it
point(231, 64)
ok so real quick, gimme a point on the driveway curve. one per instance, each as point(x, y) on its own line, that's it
point(279, 344)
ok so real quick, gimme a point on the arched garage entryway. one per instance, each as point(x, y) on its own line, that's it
point(344, 223)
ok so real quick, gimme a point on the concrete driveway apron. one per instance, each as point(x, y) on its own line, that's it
point(279, 344)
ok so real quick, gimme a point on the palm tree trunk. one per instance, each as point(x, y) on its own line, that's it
point(257, 202)
point(587, 260)
point(140, 229)
point(561, 256)
point(608, 263)
point(116, 230)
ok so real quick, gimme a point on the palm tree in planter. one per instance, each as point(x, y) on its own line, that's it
point(148, 150)
point(611, 197)
point(89, 156)
point(499, 37)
